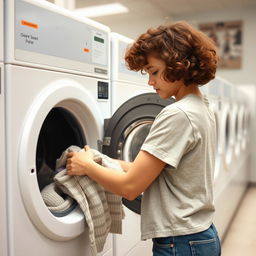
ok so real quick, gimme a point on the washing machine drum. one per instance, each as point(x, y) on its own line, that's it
point(128, 128)
point(59, 131)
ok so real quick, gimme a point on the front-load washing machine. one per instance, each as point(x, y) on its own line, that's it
point(1, 31)
point(125, 83)
point(213, 92)
point(228, 140)
point(248, 129)
point(232, 180)
point(57, 95)
point(3, 219)
point(3, 213)
point(134, 108)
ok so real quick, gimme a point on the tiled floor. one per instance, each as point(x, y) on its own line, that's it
point(240, 239)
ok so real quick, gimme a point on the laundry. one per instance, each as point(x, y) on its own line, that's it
point(103, 210)
point(58, 203)
point(45, 175)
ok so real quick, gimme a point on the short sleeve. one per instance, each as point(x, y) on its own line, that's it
point(170, 137)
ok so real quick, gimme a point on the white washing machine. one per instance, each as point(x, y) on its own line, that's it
point(228, 136)
point(3, 219)
point(213, 92)
point(233, 180)
point(125, 83)
point(57, 95)
point(237, 105)
point(1, 31)
point(242, 152)
point(134, 108)
point(248, 129)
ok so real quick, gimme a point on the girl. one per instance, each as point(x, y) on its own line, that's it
point(174, 167)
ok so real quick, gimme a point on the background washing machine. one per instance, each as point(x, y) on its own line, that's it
point(3, 220)
point(134, 107)
point(57, 95)
point(233, 177)
point(3, 216)
point(125, 83)
point(213, 91)
point(248, 129)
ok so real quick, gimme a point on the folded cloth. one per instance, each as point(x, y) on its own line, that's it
point(56, 201)
point(103, 210)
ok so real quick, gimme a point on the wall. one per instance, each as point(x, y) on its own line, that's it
point(245, 75)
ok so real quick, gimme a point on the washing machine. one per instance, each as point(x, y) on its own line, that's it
point(242, 158)
point(125, 83)
point(228, 136)
point(248, 129)
point(233, 176)
point(213, 92)
point(134, 107)
point(3, 214)
point(57, 95)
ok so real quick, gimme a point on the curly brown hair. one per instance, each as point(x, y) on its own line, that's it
point(189, 54)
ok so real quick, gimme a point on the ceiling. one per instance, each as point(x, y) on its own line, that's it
point(170, 7)
point(144, 13)
point(165, 8)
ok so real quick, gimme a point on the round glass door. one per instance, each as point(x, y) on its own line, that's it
point(127, 129)
point(133, 138)
point(59, 131)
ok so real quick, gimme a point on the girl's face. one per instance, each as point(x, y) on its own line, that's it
point(165, 89)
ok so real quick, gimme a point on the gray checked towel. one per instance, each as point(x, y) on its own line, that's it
point(103, 210)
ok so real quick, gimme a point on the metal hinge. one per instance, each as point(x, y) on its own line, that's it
point(99, 144)
point(106, 141)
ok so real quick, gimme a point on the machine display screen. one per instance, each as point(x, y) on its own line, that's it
point(98, 39)
point(102, 90)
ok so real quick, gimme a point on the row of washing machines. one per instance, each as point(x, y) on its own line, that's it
point(233, 150)
point(64, 82)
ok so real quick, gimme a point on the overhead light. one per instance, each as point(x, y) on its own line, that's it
point(102, 10)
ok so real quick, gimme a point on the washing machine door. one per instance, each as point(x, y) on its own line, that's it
point(63, 114)
point(126, 131)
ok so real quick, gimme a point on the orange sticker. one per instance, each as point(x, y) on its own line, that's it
point(29, 24)
point(86, 50)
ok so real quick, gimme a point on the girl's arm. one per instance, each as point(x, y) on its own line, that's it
point(125, 165)
point(142, 172)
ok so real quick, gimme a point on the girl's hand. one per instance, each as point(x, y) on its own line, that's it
point(78, 162)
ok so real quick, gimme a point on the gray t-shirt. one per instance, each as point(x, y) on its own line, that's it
point(180, 200)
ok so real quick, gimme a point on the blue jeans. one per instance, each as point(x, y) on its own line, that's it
point(205, 243)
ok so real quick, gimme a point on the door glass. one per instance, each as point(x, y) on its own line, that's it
point(134, 139)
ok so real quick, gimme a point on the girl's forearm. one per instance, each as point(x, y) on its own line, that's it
point(112, 180)
point(125, 165)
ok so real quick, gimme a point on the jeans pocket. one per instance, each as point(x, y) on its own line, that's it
point(163, 242)
point(207, 247)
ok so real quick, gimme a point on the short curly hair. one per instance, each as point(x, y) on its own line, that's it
point(188, 53)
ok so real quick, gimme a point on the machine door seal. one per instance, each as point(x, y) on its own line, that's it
point(132, 119)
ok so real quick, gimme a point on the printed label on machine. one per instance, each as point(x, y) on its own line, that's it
point(49, 33)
